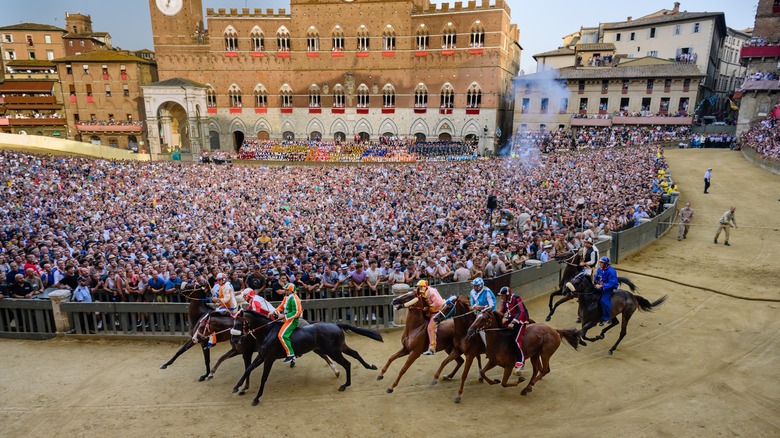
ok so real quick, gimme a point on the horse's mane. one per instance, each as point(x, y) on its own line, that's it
point(255, 315)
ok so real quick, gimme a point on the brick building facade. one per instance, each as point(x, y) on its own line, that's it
point(340, 69)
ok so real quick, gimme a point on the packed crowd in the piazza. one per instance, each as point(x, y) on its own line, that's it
point(136, 230)
point(597, 137)
point(384, 150)
point(764, 138)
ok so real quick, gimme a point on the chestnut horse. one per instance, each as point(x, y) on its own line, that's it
point(540, 342)
point(415, 339)
point(459, 309)
point(624, 303)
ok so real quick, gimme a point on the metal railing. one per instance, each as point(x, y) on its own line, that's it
point(26, 319)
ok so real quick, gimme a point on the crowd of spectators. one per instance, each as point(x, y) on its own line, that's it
point(687, 58)
point(597, 137)
point(761, 42)
point(763, 76)
point(109, 122)
point(385, 150)
point(764, 138)
point(138, 230)
point(33, 115)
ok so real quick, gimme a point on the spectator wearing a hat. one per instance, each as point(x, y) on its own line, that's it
point(82, 294)
point(545, 254)
point(397, 275)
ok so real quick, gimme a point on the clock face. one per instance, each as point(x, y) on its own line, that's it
point(169, 7)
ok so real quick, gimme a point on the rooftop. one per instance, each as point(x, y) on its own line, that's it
point(589, 47)
point(104, 56)
point(673, 70)
point(33, 26)
point(175, 82)
point(664, 16)
point(30, 63)
point(562, 51)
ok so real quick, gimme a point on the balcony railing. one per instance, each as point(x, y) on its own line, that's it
point(760, 52)
point(108, 127)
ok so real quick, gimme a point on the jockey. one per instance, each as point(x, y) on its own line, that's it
point(433, 303)
point(257, 304)
point(481, 296)
point(290, 310)
point(225, 298)
point(515, 313)
point(590, 257)
point(606, 281)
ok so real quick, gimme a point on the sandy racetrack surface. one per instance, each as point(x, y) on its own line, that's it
point(702, 365)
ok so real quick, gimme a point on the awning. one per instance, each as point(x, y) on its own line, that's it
point(26, 87)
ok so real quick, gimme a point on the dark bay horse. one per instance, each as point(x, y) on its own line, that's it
point(540, 342)
point(624, 303)
point(326, 338)
point(200, 324)
point(414, 341)
point(459, 310)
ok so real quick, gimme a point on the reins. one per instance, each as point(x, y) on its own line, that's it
point(252, 332)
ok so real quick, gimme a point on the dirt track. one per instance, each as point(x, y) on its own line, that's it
point(702, 365)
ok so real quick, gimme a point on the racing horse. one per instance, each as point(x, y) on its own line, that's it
point(459, 309)
point(624, 303)
point(414, 341)
point(540, 342)
point(326, 338)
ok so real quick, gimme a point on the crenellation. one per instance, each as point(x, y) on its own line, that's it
point(472, 5)
point(458, 6)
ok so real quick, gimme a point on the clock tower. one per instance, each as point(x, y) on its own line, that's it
point(176, 22)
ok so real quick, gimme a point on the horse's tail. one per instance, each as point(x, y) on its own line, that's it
point(571, 336)
point(627, 282)
point(647, 306)
point(369, 333)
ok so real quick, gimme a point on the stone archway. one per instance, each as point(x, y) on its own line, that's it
point(238, 140)
point(214, 140)
point(173, 129)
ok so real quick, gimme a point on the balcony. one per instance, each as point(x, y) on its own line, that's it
point(769, 85)
point(105, 127)
point(760, 52)
point(50, 121)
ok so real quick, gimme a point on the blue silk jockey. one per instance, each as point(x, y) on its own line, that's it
point(606, 282)
point(481, 296)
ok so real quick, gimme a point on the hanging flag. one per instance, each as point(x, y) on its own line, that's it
point(733, 105)
point(713, 99)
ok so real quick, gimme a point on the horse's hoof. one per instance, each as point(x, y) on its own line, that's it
point(380, 377)
point(481, 380)
point(548, 318)
point(209, 377)
point(599, 337)
point(389, 390)
point(242, 392)
point(446, 378)
point(524, 392)
point(342, 388)
point(201, 378)
point(338, 374)
point(456, 399)
point(434, 382)
point(163, 367)
point(235, 390)
point(578, 321)
point(520, 379)
point(373, 367)
point(292, 364)
point(255, 402)
point(610, 352)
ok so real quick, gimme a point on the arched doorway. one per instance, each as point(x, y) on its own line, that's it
point(238, 140)
point(95, 140)
point(419, 136)
point(132, 143)
point(445, 137)
point(263, 135)
point(388, 135)
point(340, 136)
point(471, 138)
point(173, 128)
point(315, 136)
point(288, 135)
point(213, 140)
point(364, 136)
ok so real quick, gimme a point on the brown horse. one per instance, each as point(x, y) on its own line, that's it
point(459, 309)
point(540, 342)
point(415, 339)
point(624, 303)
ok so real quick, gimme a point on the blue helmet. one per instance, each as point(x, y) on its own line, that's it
point(604, 259)
point(478, 282)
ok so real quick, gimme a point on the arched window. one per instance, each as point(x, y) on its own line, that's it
point(388, 96)
point(234, 97)
point(258, 39)
point(338, 39)
point(211, 97)
point(338, 96)
point(388, 39)
point(314, 96)
point(421, 96)
point(282, 40)
point(447, 96)
point(474, 96)
point(363, 39)
point(477, 38)
point(286, 94)
point(231, 39)
point(449, 36)
point(261, 96)
point(423, 37)
point(362, 96)
point(312, 40)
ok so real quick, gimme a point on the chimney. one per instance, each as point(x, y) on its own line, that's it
point(629, 18)
point(676, 9)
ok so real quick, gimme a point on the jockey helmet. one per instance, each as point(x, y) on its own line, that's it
point(604, 259)
point(478, 283)
point(505, 291)
point(289, 287)
point(422, 283)
point(248, 293)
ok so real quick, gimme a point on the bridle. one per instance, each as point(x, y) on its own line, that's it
point(187, 293)
point(454, 304)
point(247, 331)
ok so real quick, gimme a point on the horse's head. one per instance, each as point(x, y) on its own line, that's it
point(564, 256)
point(454, 306)
point(580, 284)
point(194, 292)
point(250, 322)
point(485, 319)
point(407, 300)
